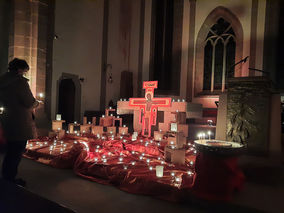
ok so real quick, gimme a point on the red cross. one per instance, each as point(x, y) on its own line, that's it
point(149, 106)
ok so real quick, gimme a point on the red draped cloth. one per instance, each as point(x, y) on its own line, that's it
point(130, 166)
point(217, 177)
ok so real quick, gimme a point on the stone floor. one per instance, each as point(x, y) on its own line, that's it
point(263, 192)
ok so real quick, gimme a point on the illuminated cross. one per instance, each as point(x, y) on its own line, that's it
point(149, 106)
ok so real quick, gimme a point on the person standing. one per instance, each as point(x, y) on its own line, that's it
point(17, 118)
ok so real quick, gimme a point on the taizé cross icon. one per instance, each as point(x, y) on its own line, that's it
point(149, 106)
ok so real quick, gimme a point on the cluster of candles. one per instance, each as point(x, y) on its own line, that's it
point(159, 168)
point(178, 100)
point(202, 135)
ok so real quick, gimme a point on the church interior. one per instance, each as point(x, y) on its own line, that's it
point(148, 105)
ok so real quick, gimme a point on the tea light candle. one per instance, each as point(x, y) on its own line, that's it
point(209, 135)
point(177, 179)
point(133, 163)
point(189, 173)
point(1, 110)
point(159, 171)
point(58, 117)
point(120, 159)
point(151, 168)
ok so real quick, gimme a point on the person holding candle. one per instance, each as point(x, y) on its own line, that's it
point(17, 120)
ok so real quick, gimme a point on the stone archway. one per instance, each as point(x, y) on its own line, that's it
point(217, 13)
point(70, 81)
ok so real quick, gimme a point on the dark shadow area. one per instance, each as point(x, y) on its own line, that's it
point(17, 199)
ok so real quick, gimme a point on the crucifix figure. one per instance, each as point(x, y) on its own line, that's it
point(149, 106)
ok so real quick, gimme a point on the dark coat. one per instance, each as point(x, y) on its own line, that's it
point(18, 101)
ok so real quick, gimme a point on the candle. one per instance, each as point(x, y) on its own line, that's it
point(133, 163)
point(58, 117)
point(190, 173)
point(209, 135)
point(1, 110)
point(177, 179)
point(159, 171)
point(151, 168)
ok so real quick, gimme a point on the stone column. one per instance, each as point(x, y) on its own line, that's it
point(28, 39)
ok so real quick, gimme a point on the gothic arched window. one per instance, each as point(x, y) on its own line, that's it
point(219, 56)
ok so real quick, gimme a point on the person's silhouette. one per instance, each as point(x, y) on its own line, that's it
point(17, 120)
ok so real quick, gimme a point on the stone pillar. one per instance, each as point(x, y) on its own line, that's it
point(28, 39)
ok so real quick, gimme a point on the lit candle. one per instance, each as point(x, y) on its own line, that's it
point(58, 117)
point(133, 163)
point(151, 168)
point(189, 173)
point(209, 134)
point(1, 110)
point(177, 179)
point(159, 171)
